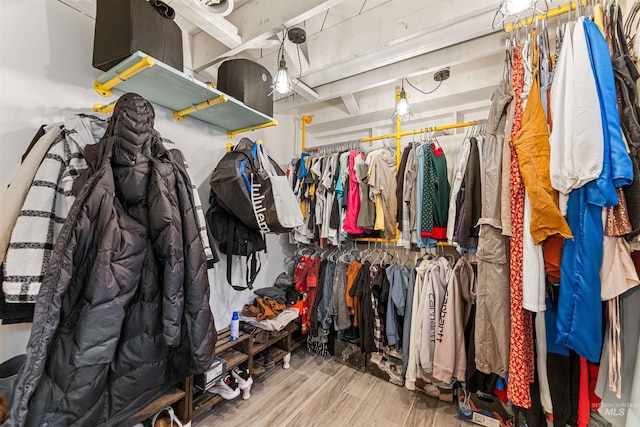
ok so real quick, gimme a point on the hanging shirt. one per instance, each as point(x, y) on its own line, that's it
point(435, 193)
point(533, 272)
point(576, 141)
point(383, 184)
point(450, 354)
point(353, 207)
point(458, 176)
point(432, 299)
point(414, 371)
point(532, 147)
point(396, 303)
point(410, 192)
point(579, 308)
point(375, 197)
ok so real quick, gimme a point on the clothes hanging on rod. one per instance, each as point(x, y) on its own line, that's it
point(375, 194)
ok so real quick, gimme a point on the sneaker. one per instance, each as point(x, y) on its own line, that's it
point(244, 380)
point(226, 388)
point(427, 387)
point(394, 353)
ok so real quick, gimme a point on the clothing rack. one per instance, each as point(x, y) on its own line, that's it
point(398, 137)
point(555, 11)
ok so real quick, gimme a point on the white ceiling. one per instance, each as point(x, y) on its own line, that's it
point(356, 53)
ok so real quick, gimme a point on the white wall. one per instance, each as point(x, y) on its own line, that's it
point(46, 74)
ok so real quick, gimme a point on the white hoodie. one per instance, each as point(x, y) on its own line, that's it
point(431, 301)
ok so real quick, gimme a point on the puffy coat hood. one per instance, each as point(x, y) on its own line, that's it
point(123, 311)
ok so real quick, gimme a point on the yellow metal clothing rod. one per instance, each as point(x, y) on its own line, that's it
point(179, 115)
point(556, 11)
point(232, 133)
point(104, 89)
point(398, 135)
point(375, 240)
point(305, 121)
point(422, 130)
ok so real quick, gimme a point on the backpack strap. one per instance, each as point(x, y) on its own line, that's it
point(253, 259)
point(231, 228)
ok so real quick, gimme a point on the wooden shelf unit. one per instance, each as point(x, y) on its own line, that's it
point(225, 349)
point(189, 402)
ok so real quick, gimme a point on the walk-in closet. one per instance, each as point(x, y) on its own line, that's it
point(319, 213)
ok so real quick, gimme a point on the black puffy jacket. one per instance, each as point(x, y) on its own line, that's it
point(123, 311)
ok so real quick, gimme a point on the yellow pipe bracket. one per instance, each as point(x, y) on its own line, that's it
point(104, 108)
point(229, 146)
point(232, 133)
point(179, 115)
point(104, 89)
point(306, 120)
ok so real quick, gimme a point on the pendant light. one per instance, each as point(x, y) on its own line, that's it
point(403, 109)
point(282, 83)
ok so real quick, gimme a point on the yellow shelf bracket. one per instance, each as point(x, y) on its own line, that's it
point(232, 133)
point(104, 108)
point(179, 115)
point(104, 89)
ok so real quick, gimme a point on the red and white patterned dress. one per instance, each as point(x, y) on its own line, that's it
point(521, 358)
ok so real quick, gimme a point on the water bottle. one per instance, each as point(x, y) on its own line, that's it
point(235, 326)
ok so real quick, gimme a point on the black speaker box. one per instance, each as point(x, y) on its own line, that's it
point(247, 81)
point(126, 26)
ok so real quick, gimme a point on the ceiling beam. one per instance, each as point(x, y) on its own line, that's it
point(352, 105)
point(263, 20)
point(218, 28)
point(462, 53)
point(466, 85)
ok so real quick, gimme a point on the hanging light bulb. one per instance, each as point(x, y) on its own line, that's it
point(403, 109)
point(281, 81)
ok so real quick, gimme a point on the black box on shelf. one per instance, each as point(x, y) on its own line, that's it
point(349, 354)
point(124, 27)
point(214, 373)
point(247, 81)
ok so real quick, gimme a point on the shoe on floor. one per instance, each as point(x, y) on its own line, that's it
point(394, 353)
point(244, 380)
point(258, 368)
point(268, 360)
point(427, 388)
point(226, 388)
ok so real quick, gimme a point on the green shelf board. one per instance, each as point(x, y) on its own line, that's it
point(175, 90)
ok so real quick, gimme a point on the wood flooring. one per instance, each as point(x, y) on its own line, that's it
point(318, 391)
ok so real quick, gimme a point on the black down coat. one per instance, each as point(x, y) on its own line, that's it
point(123, 311)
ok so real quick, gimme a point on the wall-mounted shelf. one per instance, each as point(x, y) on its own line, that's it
point(166, 86)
